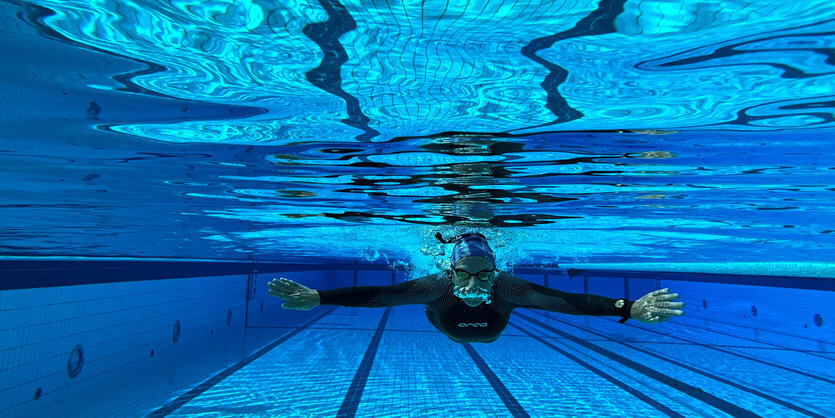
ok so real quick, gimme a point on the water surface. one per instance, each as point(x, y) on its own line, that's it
point(568, 132)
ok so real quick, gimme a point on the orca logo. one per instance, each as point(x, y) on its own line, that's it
point(472, 324)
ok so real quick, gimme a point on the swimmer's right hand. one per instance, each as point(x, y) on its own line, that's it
point(295, 296)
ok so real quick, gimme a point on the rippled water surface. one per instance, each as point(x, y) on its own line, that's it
point(576, 131)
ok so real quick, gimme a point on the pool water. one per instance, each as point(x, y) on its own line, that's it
point(160, 161)
point(591, 132)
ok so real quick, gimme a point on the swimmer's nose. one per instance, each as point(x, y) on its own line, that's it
point(472, 284)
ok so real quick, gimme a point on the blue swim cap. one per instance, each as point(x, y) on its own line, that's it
point(470, 244)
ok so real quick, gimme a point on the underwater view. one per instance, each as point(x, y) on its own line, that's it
point(388, 208)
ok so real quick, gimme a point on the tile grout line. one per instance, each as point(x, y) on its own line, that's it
point(208, 384)
point(744, 388)
point(354, 395)
point(634, 392)
point(713, 347)
point(697, 393)
point(433, 331)
point(504, 394)
point(728, 334)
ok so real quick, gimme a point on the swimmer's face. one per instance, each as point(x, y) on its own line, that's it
point(473, 278)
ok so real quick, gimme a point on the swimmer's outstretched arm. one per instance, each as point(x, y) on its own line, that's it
point(652, 308)
point(418, 291)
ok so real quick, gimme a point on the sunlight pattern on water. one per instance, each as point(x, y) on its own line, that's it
point(601, 132)
point(421, 68)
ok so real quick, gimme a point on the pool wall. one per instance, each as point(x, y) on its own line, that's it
point(175, 333)
point(119, 327)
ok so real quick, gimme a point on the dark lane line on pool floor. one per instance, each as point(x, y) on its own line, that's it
point(686, 388)
point(634, 392)
point(509, 400)
point(713, 347)
point(778, 346)
point(208, 384)
point(354, 395)
point(435, 332)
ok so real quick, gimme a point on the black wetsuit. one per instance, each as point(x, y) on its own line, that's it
point(482, 323)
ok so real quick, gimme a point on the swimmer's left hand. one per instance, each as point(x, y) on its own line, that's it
point(295, 295)
point(656, 307)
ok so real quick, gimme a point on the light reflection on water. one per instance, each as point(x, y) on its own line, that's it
point(595, 132)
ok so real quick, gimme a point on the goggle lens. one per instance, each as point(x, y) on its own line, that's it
point(482, 275)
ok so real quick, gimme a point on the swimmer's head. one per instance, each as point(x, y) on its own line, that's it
point(473, 277)
point(472, 244)
point(473, 268)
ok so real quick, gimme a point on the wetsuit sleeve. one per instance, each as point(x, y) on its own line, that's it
point(417, 291)
point(531, 295)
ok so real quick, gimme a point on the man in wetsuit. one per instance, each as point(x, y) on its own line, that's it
point(473, 301)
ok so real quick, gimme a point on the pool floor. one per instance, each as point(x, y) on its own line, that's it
point(391, 362)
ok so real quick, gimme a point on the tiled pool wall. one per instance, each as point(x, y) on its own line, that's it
point(124, 327)
point(116, 326)
point(797, 319)
point(61, 341)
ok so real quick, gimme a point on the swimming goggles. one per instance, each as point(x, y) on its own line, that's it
point(482, 275)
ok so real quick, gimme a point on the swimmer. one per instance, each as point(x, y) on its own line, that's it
point(473, 300)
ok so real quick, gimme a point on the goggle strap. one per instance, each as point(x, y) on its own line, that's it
point(455, 239)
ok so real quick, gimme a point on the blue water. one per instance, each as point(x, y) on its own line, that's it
point(585, 132)
point(676, 136)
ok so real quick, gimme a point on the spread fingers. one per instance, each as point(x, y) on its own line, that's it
point(667, 312)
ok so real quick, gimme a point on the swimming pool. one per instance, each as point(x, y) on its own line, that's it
point(160, 161)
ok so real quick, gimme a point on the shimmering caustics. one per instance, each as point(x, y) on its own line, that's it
point(606, 131)
point(797, 54)
point(600, 21)
point(327, 75)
